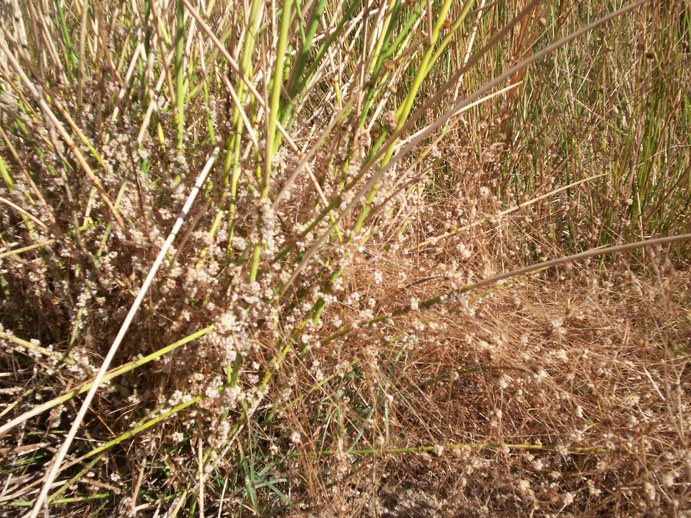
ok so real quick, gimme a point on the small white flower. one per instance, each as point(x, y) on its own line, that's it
point(592, 489)
point(649, 490)
point(668, 478)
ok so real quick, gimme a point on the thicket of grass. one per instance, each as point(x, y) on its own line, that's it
point(311, 218)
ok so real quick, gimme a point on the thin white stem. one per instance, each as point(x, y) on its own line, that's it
point(24, 212)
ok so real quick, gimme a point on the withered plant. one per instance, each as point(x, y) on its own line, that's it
point(344, 258)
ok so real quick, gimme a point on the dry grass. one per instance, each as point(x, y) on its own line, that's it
point(565, 395)
point(250, 382)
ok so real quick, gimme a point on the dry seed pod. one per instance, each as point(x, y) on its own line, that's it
point(543, 21)
point(389, 120)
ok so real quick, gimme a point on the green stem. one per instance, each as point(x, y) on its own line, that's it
point(180, 79)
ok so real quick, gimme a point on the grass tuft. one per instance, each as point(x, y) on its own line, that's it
point(348, 258)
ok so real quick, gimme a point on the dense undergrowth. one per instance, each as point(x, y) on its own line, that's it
point(314, 337)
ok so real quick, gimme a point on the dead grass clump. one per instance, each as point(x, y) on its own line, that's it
point(572, 400)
